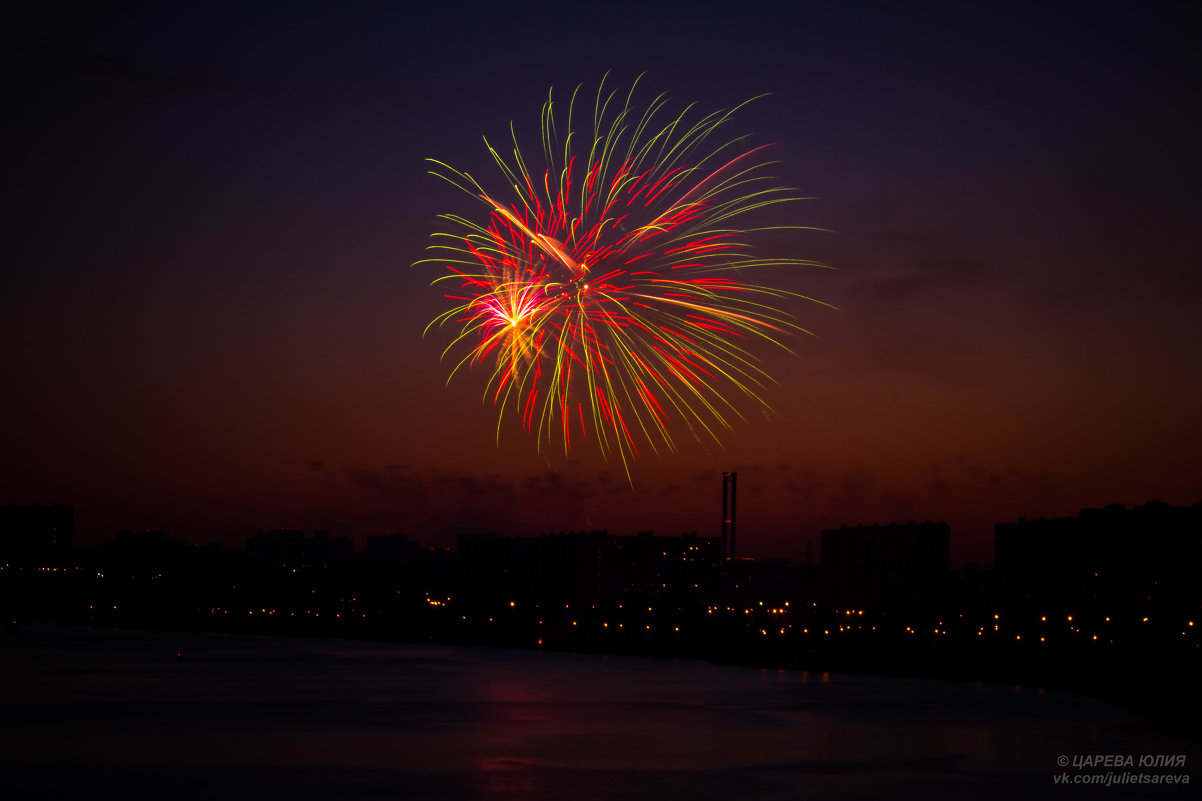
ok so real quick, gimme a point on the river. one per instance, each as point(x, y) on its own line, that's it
point(135, 714)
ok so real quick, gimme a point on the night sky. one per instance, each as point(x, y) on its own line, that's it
point(212, 325)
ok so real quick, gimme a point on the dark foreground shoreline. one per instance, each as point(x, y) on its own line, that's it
point(1163, 691)
point(152, 713)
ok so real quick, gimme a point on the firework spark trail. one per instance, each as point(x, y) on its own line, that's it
point(608, 293)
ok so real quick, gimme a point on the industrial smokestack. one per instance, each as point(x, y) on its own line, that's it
point(730, 491)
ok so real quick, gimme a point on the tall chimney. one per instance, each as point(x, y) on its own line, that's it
point(730, 491)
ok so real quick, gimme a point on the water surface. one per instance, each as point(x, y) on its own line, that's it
point(200, 716)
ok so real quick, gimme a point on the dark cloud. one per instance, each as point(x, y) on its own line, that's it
point(968, 477)
point(975, 473)
point(857, 482)
point(925, 276)
point(938, 482)
point(432, 504)
point(939, 485)
point(804, 483)
point(367, 480)
point(555, 485)
point(1037, 481)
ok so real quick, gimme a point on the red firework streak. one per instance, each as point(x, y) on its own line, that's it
point(608, 294)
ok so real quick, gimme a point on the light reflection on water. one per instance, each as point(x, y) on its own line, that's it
point(339, 719)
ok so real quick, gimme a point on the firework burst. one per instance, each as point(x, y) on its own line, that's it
point(606, 289)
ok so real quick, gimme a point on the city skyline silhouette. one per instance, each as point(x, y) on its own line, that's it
point(213, 326)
